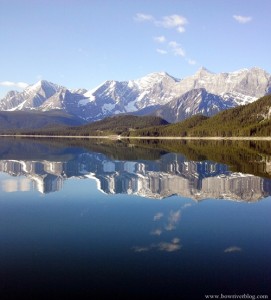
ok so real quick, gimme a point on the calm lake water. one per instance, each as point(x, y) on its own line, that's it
point(134, 218)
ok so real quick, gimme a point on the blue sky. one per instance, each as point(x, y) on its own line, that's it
point(83, 43)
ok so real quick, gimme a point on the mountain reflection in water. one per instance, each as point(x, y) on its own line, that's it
point(129, 169)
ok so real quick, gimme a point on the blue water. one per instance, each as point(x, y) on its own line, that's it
point(86, 237)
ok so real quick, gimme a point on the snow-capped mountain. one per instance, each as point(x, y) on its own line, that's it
point(115, 97)
point(31, 98)
point(43, 96)
point(175, 99)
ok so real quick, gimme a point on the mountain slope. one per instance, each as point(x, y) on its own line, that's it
point(193, 102)
point(249, 120)
point(253, 119)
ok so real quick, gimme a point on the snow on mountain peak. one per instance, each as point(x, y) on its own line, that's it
point(237, 72)
point(154, 78)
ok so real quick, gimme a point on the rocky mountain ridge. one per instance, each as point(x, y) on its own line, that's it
point(157, 93)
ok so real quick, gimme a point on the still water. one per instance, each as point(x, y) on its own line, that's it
point(132, 219)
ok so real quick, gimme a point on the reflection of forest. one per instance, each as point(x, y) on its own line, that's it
point(253, 157)
point(150, 171)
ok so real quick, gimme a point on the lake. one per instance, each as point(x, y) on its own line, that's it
point(167, 219)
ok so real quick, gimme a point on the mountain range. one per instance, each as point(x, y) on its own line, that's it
point(158, 94)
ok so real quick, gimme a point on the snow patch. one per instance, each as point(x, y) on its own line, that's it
point(131, 106)
point(83, 102)
point(107, 107)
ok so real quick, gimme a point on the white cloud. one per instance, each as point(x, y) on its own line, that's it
point(173, 44)
point(143, 17)
point(161, 51)
point(242, 19)
point(181, 29)
point(173, 21)
point(21, 85)
point(191, 61)
point(176, 22)
point(159, 39)
point(176, 48)
point(179, 52)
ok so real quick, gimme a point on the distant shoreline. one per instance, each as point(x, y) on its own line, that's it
point(117, 137)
